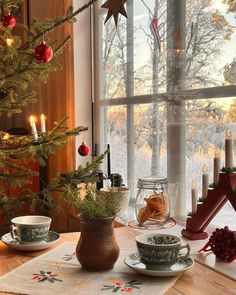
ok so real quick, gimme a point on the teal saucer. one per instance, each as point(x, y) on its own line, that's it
point(51, 239)
point(133, 261)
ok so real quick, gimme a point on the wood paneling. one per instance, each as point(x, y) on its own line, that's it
point(56, 97)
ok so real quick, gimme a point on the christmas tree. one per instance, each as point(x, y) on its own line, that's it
point(24, 62)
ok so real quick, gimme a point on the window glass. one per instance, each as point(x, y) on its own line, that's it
point(150, 140)
point(115, 134)
point(149, 46)
point(141, 50)
point(135, 66)
point(210, 39)
point(206, 123)
point(114, 60)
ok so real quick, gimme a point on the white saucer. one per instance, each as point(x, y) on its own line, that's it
point(52, 238)
point(180, 266)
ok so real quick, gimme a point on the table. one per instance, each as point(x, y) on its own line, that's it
point(199, 280)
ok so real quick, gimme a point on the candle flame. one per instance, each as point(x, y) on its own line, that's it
point(9, 41)
point(205, 169)
point(43, 117)
point(32, 120)
point(228, 133)
point(6, 136)
point(194, 185)
point(217, 153)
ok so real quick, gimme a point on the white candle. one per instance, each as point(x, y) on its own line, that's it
point(216, 167)
point(194, 197)
point(43, 124)
point(33, 128)
point(205, 181)
point(228, 150)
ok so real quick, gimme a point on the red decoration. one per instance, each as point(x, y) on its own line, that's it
point(43, 53)
point(114, 8)
point(223, 244)
point(83, 150)
point(8, 21)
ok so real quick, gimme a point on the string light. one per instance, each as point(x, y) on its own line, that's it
point(9, 41)
point(6, 136)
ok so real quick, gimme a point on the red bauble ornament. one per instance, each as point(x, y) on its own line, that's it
point(43, 53)
point(83, 149)
point(8, 21)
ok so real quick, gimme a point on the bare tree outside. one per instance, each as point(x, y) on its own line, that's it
point(207, 32)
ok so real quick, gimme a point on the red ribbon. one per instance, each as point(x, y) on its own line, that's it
point(208, 247)
point(208, 244)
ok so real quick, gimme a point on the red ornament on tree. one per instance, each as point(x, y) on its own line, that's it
point(83, 150)
point(8, 21)
point(43, 53)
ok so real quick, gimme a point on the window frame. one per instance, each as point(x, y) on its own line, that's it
point(174, 95)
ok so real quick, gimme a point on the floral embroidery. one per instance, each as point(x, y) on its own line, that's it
point(119, 286)
point(68, 257)
point(46, 276)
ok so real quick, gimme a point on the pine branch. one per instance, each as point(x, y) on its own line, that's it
point(60, 22)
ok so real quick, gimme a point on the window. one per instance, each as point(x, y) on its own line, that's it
point(165, 101)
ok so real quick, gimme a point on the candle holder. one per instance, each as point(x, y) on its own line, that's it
point(206, 211)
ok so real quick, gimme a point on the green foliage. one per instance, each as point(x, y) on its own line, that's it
point(228, 169)
point(97, 204)
point(191, 214)
point(18, 67)
point(201, 200)
point(19, 71)
point(212, 185)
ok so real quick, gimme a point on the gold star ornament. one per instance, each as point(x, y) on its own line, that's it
point(114, 8)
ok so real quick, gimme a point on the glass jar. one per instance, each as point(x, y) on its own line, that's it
point(152, 203)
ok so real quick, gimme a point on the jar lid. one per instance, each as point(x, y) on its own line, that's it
point(151, 182)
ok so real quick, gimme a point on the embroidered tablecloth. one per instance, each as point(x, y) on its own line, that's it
point(59, 272)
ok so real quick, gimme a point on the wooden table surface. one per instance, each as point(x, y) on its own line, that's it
point(196, 281)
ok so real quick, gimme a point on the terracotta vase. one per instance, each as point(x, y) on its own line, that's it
point(97, 248)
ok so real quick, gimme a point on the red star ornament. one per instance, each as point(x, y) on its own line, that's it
point(114, 8)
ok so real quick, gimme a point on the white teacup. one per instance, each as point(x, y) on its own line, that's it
point(30, 229)
point(160, 250)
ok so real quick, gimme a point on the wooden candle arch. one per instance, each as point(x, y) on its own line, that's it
point(206, 211)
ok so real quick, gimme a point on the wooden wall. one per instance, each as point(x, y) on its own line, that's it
point(56, 98)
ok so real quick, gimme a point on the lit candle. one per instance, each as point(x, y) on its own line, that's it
point(33, 128)
point(205, 181)
point(43, 124)
point(228, 150)
point(194, 197)
point(9, 41)
point(6, 136)
point(216, 167)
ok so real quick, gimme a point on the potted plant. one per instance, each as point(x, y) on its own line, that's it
point(97, 248)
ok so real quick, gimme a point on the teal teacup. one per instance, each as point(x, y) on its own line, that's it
point(158, 251)
point(30, 229)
